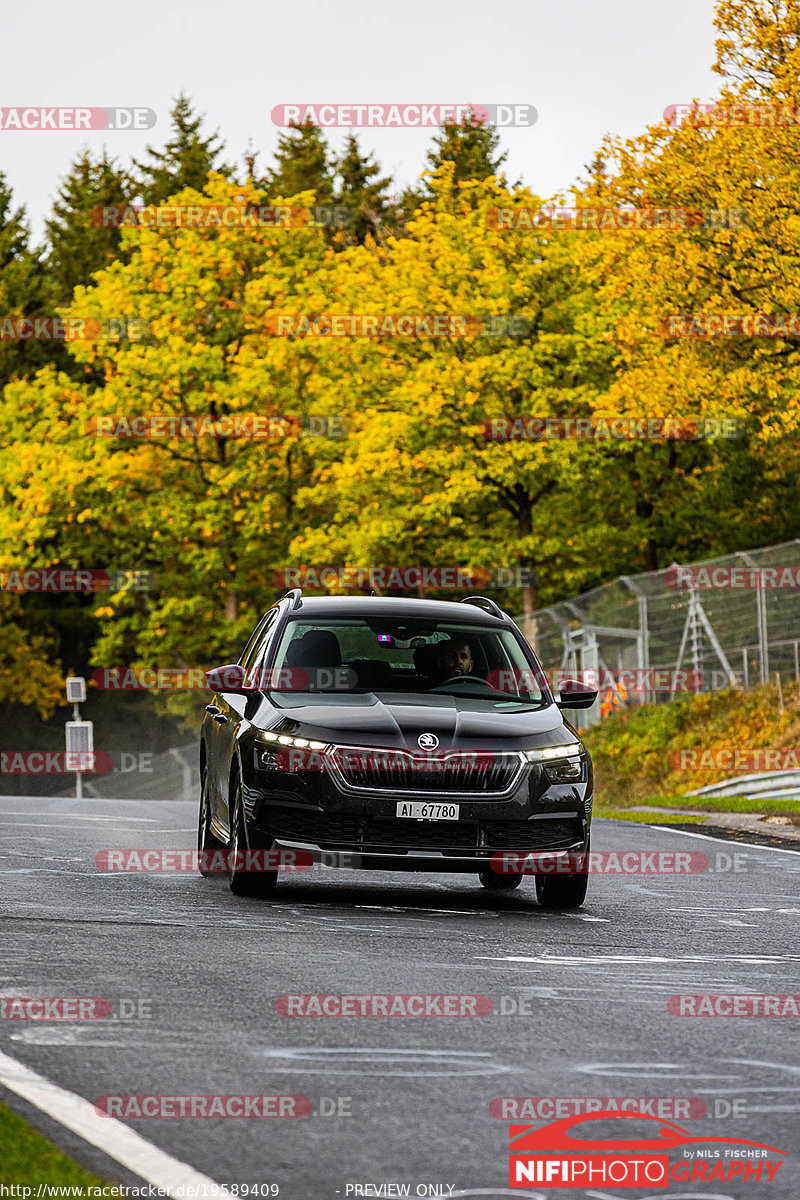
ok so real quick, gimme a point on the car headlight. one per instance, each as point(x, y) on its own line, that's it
point(283, 739)
point(543, 753)
point(561, 764)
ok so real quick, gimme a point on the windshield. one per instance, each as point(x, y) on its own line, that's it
point(406, 655)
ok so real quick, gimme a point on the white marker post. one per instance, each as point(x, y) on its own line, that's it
point(79, 734)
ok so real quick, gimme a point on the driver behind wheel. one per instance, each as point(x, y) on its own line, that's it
point(454, 658)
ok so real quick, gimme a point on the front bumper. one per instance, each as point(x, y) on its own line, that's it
point(313, 811)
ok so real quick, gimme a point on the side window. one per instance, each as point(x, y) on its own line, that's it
point(251, 641)
point(247, 654)
point(255, 652)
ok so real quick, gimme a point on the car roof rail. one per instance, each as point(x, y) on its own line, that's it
point(490, 605)
point(296, 596)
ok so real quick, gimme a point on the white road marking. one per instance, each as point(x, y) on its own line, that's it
point(645, 1071)
point(111, 1136)
point(442, 912)
point(603, 960)
point(62, 1037)
point(38, 824)
point(706, 837)
point(388, 1060)
point(4, 812)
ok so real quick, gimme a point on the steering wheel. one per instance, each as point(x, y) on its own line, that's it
point(460, 679)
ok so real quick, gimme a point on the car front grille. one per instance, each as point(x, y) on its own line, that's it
point(450, 773)
point(334, 831)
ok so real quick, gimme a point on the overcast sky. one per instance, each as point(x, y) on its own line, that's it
point(589, 67)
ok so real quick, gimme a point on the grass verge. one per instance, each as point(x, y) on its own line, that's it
point(27, 1158)
point(648, 818)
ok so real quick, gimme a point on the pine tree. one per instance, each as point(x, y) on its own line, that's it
point(472, 145)
point(302, 163)
point(25, 291)
point(359, 190)
point(79, 245)
point(185, 161)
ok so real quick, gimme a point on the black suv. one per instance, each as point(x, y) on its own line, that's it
point(396, 734)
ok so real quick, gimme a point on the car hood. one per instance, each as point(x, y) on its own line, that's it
point(394, 719)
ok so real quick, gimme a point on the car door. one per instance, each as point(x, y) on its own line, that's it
point(232, 711)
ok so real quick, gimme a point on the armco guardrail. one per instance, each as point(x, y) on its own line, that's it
point(767, 785)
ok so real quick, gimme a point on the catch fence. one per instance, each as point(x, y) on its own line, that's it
point(725, 622)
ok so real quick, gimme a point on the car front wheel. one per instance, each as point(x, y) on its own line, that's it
point(563, 891)
point(207, 843)
point(245, 882)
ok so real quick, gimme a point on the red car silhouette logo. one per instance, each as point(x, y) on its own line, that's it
point(557, 1137)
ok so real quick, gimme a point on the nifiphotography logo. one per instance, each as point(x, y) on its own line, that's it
point(555, 1156)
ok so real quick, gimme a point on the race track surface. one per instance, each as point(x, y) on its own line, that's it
point(411, 1095)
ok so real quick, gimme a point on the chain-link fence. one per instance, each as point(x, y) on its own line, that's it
point(724, 622)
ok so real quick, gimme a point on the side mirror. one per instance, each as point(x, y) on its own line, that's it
point(576, 695)
point(228, 679)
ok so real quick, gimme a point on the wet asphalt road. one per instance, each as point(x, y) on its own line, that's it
point(410, 1096)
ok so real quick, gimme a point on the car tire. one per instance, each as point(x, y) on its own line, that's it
point(206, 840)
point(495, 882)
point(245, 883)
point(563, 891)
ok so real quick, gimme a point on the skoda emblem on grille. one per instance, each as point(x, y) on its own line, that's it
point(427, 741)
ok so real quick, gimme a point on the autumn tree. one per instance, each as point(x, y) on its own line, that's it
point(740, 257)
point(419, 480)
point(209, 514)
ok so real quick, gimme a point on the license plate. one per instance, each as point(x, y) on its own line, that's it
point(422, 810)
